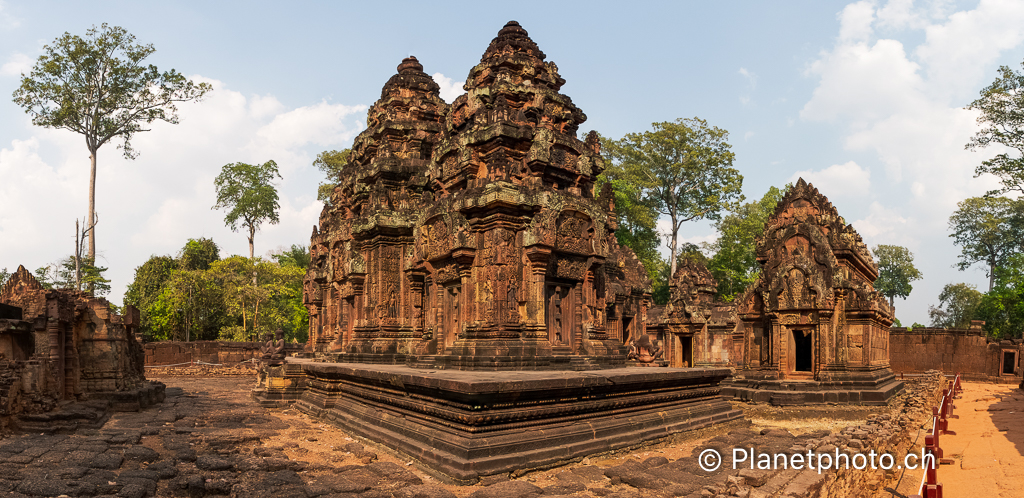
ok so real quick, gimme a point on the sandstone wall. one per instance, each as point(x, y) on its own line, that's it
point(964, 351)
point(217, 352)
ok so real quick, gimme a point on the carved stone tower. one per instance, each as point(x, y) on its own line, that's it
point(814, 328)
point(470, 236)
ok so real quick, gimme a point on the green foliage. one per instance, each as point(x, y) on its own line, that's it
point(99, 87)
point(144, 291)
point(296, 255)
point(989, 230)
point(246, 192)
point(957, 305)
point(1001, 105)
point(92, 276)
point(896, 322)
point(330, 163)
point(198, 296)
point(917, 326)
point(681, 169)
point(261, 307)
point(1002, 308)
point(895, 271)
point(734, 263)
point(198, 254)
point(637, 231)
point(46, 276)
point(4, 275)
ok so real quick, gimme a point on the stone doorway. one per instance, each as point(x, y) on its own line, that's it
point(452, 316)
point(802, 350)
point(682, 356)
point(1009, 362)
point(560, 314)
point(627, 332)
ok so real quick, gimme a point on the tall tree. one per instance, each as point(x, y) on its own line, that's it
point(989, 230)
point(249, 195)
point(98, 87)
point(683, 169)
point(330, 163)
point(895, 271)
point(198, 254)
point(1002, 115)
point(637, 230)
point(957, 305)
point(1002, 308)
point(145, 289)
point(74, 273)
point(297, 255)
point(734, 263)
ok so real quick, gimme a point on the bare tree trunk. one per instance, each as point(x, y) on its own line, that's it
point(78, 259)
point(252, 234)
point(91, 223)
point(674, 248)
point(991, 276)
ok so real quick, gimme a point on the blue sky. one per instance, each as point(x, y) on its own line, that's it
point(865, 100)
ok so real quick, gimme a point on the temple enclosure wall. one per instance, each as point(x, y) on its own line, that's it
point(964, 351)
point(215, 352)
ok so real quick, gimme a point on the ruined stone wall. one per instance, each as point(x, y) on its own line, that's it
point(964, 351)
point(217, 352)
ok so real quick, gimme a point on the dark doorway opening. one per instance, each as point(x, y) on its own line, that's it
point(686, 349)
point(804, 351)
point(627, 334)
point(1009, 362)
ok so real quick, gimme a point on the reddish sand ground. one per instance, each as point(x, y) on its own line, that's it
point(988, 448)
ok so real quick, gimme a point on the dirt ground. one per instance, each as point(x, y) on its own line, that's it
point(988, 448)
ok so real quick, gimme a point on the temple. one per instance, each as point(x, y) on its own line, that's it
point(470, 305)
point(811, 329)
point(59, 346)
point(469, 236)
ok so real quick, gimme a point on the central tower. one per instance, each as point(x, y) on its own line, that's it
point(470, 236)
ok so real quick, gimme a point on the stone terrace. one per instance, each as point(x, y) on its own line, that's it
point(209, 439)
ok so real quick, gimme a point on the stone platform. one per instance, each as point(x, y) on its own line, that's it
point(467, 424)
point(792, 392)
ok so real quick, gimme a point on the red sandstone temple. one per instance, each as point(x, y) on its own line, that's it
point(811, 329)
point(468, 235)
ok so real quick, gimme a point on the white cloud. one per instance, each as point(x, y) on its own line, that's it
point(16, 65)
point(855, 21)
point(896, 82)
point(450, 89)
point(839, 180)
point(153, 204)
point(860, 83)
point(321, 124)
point(884, 226)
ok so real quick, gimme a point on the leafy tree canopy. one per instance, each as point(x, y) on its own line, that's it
point(734, 261)
point(98, 86)
point(1002, 113)
point(198, 254)
point(297, 255)
point(1002, 308)
point(146, 287)
point(681, 169)
point(957, 305)
point(246, 192)
point(988, 230)
point(330, 163)
point(895, 271)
